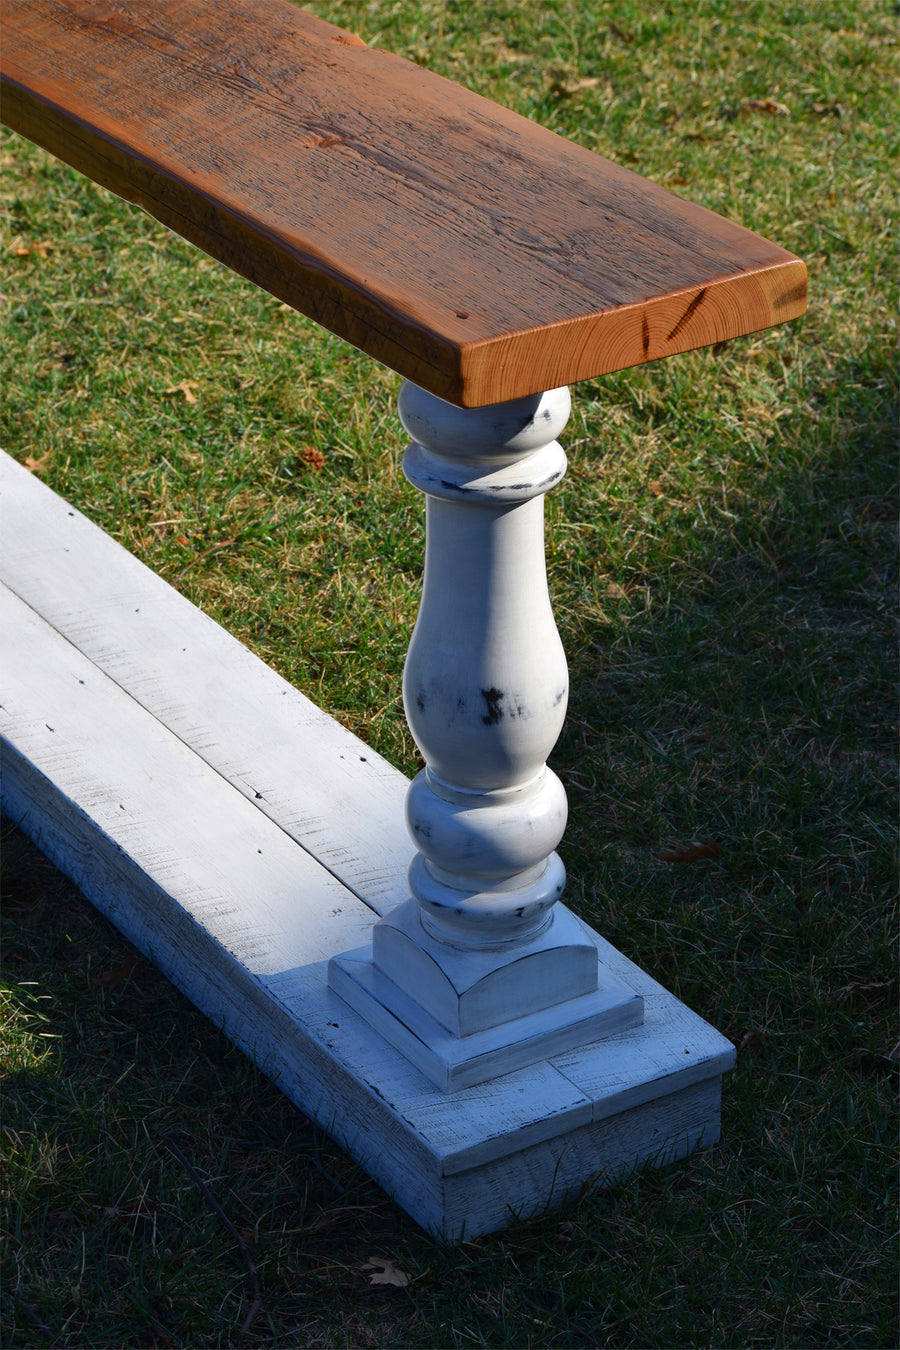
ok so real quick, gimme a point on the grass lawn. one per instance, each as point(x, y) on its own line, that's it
point(722, 560)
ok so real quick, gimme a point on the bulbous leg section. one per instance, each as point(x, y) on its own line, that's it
point(483, 971)
point(486, 874)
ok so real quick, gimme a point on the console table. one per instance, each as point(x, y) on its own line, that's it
point(417, 987)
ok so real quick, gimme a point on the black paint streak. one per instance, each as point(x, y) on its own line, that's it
point(645, 334)
point(420, 702)
point(686, 316)
point(493, 698)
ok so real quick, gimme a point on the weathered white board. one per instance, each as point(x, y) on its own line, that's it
point(150, 811)
point(321, 784)
point(149, 797)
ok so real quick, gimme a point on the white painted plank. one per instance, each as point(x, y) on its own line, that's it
point(476, 1125)
point(153, 917)
point(325, 787)
point(594, 1156)
point(517, 1141)
point(460, 1131)
point(235, 871)
point(677, 1049)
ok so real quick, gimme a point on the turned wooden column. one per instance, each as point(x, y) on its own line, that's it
point(483, 971)
point(486, 684)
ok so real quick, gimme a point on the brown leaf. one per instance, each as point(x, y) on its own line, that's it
point(765, 105)
point(313, 457)
point(695, 852)
point(187, 388)
point(25, 250)
point(385, 1272)
point(36, 465)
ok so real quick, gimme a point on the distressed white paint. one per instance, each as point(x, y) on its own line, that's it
point(485, 683)
point(490, 971)
point(159, 801)
point(326, 788)
point(206, 883)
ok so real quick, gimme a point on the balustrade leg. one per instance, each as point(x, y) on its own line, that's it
point(483, 971)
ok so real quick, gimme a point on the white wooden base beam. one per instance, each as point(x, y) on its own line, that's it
point(240, 838)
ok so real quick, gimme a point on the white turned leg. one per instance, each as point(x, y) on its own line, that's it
point(483, 971)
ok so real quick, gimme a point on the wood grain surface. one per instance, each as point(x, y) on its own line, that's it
point(475, 252)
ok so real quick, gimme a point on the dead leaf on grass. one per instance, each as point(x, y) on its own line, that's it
point(187, 388)
point(41, 248)
point(313, 457)
point(119, 974)
point(36, 465)
point(695, 852)
point(765, 105)
point(568, 90)
point(385, 1272)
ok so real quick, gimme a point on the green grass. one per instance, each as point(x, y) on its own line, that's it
point(722, 559)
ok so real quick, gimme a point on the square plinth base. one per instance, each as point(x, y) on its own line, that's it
point(452, 1062)
point(475, 1160)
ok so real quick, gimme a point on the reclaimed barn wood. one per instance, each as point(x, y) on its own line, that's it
point(478, 254)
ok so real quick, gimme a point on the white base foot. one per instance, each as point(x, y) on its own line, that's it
point(453, 1058)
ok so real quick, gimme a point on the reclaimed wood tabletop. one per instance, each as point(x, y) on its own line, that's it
point(472, 250)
